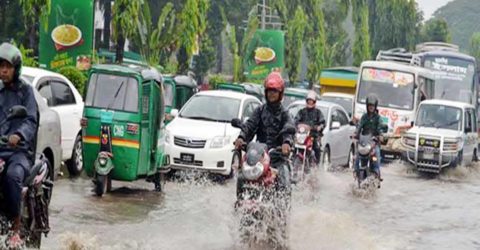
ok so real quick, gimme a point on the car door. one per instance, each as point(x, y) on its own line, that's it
point(335, 137)
point(344, 136)
point(60, 98)
point(469, 130)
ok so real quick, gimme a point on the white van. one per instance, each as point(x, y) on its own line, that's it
point(444, 134)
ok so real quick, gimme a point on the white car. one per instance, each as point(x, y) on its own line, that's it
point(444, 134)
point(201, 137)
point(64, 98)
point(49, 134)
point(342, 99)
point(337, 145)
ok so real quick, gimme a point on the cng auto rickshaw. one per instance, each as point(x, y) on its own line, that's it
point(122, 125)
point(245, 87)
point(178, 90)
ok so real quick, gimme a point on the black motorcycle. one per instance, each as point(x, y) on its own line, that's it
point(366, 146)
point(263, 192)
point(37, 192)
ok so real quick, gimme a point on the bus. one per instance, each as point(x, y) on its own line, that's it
point(399, 89)
point(455, 72)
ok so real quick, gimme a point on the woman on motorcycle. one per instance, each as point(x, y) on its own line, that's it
point(370, 122)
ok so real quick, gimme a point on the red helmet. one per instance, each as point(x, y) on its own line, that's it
point(274, 81)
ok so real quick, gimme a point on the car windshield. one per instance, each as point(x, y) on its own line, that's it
point(168, 94)
point(453, 78)
point(439, 116)
point(345, 102)
point(211, 108)
point(393, 89)
point(110, 92)
point(293, 110)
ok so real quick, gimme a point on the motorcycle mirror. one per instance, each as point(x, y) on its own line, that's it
point(236, 123)
point(412, 123)
point(17, 111)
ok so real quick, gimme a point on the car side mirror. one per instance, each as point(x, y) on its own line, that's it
point(17, 111)
point(174, 112)
point(412, 123)
point(335, 125)
point(236, 123)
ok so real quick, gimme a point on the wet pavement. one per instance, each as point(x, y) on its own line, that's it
point(408, 212)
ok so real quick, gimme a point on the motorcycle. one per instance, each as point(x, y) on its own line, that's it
point(36, 193)
point(303, 156)
point(366, 174)
point(263, 192)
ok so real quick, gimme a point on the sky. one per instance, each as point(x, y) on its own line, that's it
point(430, 6)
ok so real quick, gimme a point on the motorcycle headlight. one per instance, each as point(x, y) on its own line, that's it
point(364, 149)
point(102, 161)
point(252, 172)
point(301, 137)
point(219, 141)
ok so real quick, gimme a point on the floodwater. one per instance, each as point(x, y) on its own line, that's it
point(408, 212)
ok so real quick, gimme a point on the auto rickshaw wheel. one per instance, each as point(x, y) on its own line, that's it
point(103, 184)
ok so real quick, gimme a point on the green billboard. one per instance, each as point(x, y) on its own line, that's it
point(265, 53)
point(68, 41)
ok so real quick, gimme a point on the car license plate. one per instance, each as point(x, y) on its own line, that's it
point(428, 156)
point(187, 158)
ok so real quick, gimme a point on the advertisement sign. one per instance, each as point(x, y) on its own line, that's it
point(69, 38)
point(264, 54)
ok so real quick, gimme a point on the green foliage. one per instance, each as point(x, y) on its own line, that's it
point(75, 76)
point(205, 60)
point(11, 21)
point(436, 30)
point(475, 46)
point(337, 42)
point(294, 42)
point(214, 80)
point(361, 45)
point(35, 12)
point(315, 42)
point(27, 57)
point(125, 23)
point(462, 19)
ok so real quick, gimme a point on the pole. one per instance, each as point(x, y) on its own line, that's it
point(263, 15)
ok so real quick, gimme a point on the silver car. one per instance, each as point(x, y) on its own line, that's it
point(49, 134)
point(337, 144)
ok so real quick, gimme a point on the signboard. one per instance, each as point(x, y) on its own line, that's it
point(386, 76)
point(68, 41)
point(264, 54)
point(450, 68)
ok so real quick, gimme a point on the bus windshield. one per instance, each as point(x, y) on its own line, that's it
point(393, 89)
point(454, 78)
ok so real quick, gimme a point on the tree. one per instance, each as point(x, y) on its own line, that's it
point(315, 42)
point(436, 30)
point(36, 14)
point(11, 21)
point(193, 21)
point(153, 40)
point(361, 45)
point(337, 42)
point(475, 46)
point(106, 7)
point(125, 23)
point(205, 60)
point(294, 42)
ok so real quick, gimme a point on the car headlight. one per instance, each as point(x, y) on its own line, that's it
point(453, 145)
point(301, 137)
point(408, 141)
point(252, 172)
point(219, 141)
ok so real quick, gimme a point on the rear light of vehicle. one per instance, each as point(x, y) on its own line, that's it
point(83, 122)
point(132, 128)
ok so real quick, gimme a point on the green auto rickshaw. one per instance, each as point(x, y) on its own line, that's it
point(122, 125)
point(178, 90)
point(245, 87)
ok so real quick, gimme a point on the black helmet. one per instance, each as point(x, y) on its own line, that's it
point(372, 100)
point(12, 55)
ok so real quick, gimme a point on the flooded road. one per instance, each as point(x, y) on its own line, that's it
point(408, 212)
